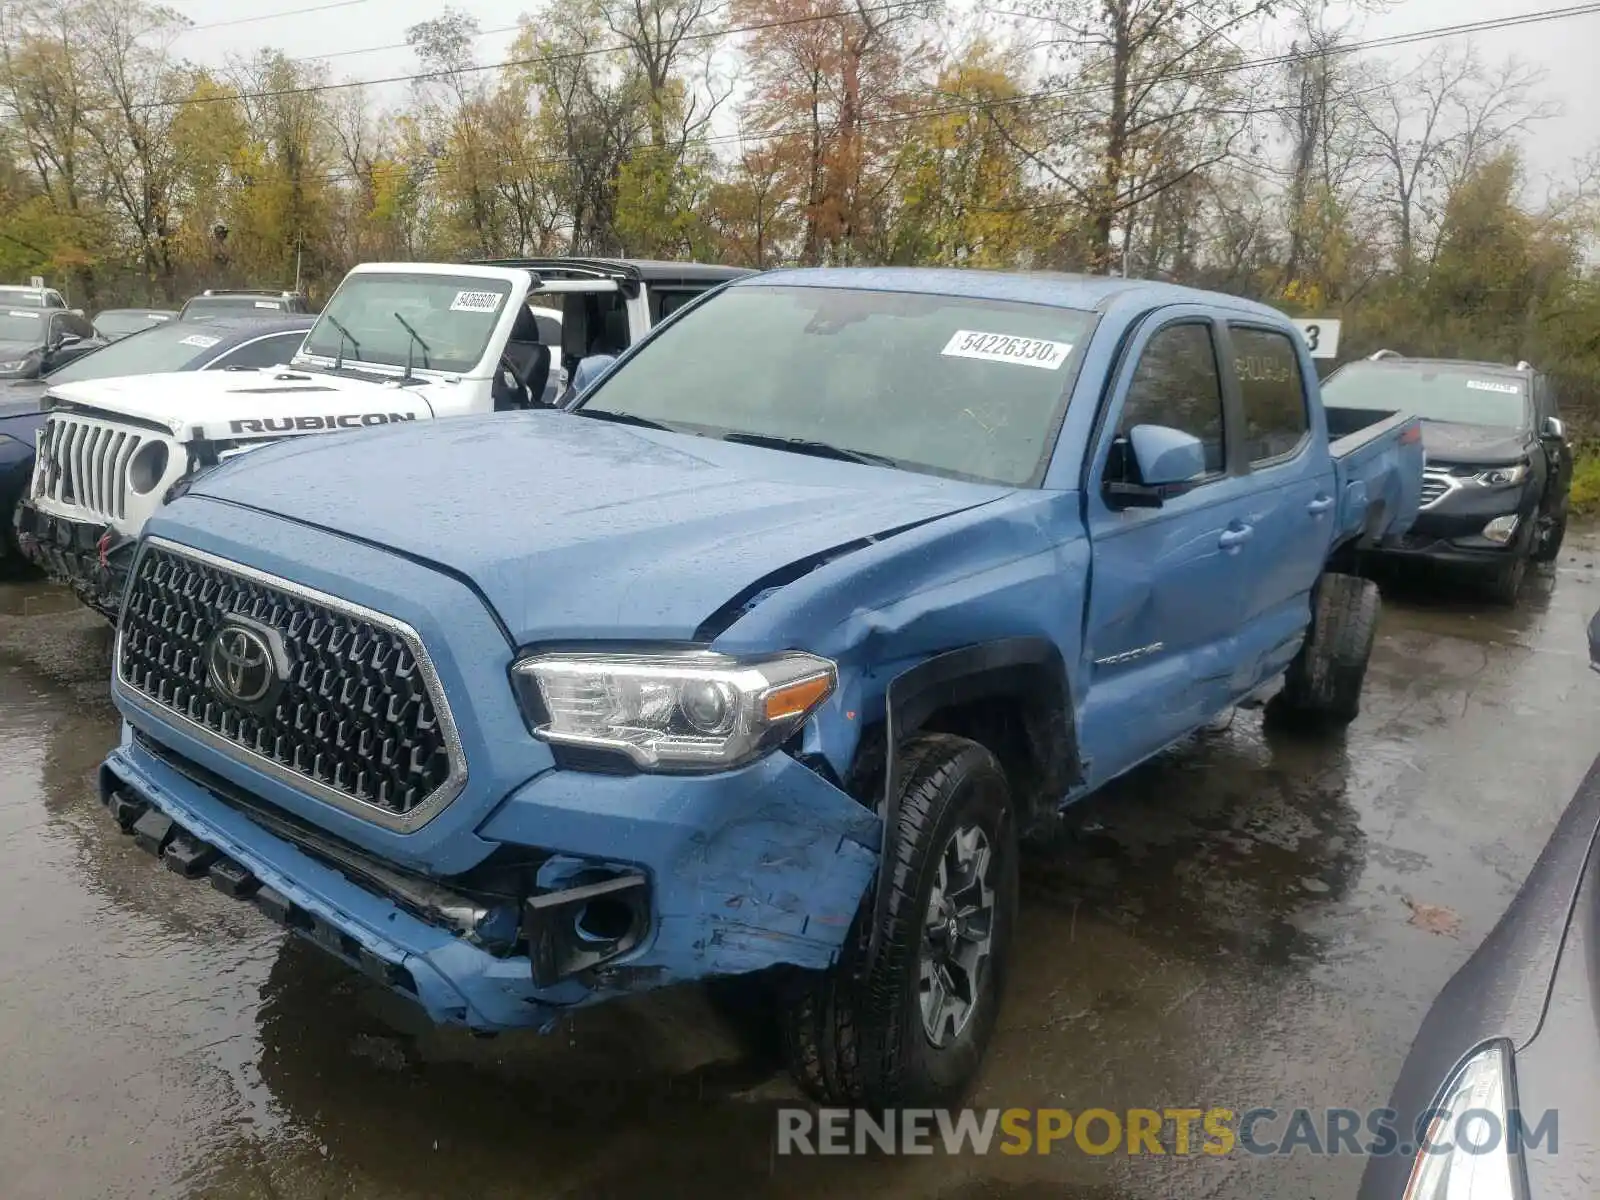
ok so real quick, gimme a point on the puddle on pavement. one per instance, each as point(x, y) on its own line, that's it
point(1226, 926)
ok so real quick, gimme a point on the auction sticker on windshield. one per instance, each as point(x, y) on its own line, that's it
point(30, 316)
point(200, 340)
point(476, 302)
point(1484, 385)
point(1002, 347)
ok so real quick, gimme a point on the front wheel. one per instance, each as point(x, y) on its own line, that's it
point(1550, 538)
point(1505, 585)
point(914, 1027)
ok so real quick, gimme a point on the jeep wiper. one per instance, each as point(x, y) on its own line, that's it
point(813, 448)
point(622, 418)
point(344, 336)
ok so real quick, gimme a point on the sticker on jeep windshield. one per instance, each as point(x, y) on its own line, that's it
point(319, 424)
point(1000, 347)
point(485, 302)
point(1484, 385)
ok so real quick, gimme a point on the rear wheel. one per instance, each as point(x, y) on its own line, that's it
point(1324, 681)
point(914, 1027)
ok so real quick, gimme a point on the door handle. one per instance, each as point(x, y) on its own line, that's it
point(1235, 537)
point(1320, 505)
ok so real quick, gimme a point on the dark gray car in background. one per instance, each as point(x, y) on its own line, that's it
point(1516, 1034)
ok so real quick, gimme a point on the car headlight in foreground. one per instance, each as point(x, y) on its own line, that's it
point(7, 368)
point(673, 711)
point(1468, 1152)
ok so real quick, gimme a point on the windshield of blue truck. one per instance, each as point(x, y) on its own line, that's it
point(948, 385)
point(1434, 392)
point(453, 317)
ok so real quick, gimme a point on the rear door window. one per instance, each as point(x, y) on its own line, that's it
point(1272, 394)
point(271, 351)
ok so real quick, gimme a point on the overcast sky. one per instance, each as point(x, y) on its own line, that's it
point(1565, 49)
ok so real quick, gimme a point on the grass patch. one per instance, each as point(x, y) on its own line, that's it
point(1586, 479)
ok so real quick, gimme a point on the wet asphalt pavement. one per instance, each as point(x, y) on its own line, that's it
point(1231, 926)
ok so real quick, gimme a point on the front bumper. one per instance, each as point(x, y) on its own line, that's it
point(731, 874)
point(93, 560)
point(1451, 533)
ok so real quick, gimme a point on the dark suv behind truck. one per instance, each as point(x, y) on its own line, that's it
point(1494, 494)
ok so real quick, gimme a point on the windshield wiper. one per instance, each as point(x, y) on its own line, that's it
point(416, 340)
point(815, 449)
point(344, 336)
point(622, 418)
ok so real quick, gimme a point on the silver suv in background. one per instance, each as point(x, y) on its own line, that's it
point(234, 302)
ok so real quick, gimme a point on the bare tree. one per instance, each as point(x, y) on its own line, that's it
point(1166, 94)
point(1432, 128)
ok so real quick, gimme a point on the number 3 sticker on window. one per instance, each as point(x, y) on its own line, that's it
point(1002, 347)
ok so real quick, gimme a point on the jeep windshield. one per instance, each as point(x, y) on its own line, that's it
point(946, 385)
point(1460, 393)
point(453, 315)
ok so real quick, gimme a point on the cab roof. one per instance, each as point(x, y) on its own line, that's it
point(1059, 289)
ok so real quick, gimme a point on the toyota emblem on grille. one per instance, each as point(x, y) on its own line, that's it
point(245, 664)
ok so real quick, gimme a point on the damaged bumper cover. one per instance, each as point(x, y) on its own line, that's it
point(92, 560)
point(706, 875)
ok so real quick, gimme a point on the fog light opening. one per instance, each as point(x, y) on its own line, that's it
point(1501, 529)
point(604, 920)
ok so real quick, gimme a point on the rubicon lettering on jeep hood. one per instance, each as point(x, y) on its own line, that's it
point(318, 424)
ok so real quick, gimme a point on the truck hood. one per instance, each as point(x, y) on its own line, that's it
point(1488, 445)
point(228, 405)
point(575, 528)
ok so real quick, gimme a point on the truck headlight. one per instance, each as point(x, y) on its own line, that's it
point(673, 711)
point(1502, 476)
point(1474, 1107)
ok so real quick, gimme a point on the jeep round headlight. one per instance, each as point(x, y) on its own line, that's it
point(673, 711)
point(146, 467)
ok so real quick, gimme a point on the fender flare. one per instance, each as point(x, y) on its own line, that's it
point(1008, 667)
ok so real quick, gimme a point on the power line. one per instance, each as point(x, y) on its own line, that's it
point(435, 169)
point(535, 60)
point(1387, 42)
point(272, 16)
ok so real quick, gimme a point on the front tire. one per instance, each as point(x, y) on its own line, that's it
point(1505, 585)
point(915, 1027)
point(1324, 681)
point(1549, 543)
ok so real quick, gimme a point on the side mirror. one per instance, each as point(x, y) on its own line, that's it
point(1554, 427)
point(1166, 456)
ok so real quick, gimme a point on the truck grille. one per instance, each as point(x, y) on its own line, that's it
point(84, 462)
point(360, 721)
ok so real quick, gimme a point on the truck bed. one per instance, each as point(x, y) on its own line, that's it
point(1377, 461)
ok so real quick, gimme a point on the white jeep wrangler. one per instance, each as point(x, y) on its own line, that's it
point(396, 342)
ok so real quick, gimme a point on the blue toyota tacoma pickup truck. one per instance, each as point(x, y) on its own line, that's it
point(761, 658)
